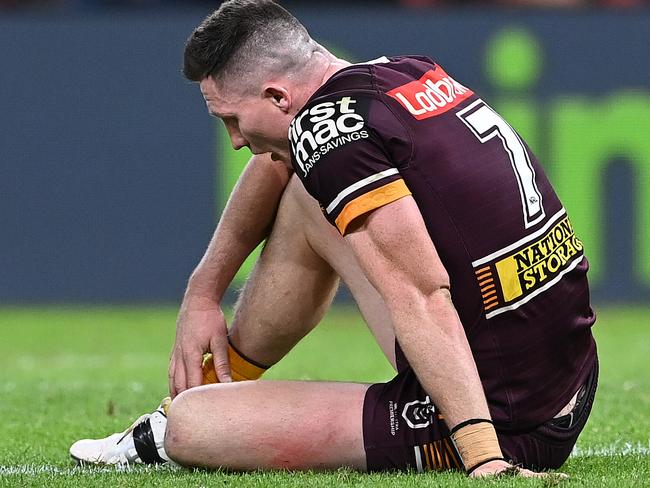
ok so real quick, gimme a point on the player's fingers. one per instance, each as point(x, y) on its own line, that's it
point(222, 367)
point(179, 380)
point(170, 376)
point(526, 473)
point(220, 360)
point(193, 370)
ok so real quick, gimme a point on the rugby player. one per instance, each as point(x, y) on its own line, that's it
point(443, 209)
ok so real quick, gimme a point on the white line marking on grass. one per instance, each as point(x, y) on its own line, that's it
point(36, 470)
point(616, 449)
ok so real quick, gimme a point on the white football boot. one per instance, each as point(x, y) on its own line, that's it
point(141, 443)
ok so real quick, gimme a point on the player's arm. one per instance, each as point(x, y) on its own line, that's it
point(359, 186)
point(397, 255)
point(246, 221)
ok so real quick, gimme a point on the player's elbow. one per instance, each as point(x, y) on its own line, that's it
point(428, 293)
point(440, 295)
point(433, 304)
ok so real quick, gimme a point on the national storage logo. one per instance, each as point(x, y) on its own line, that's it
point(514, 275)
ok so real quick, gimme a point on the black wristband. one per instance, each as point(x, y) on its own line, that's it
point(470, 422)
point(469, 471)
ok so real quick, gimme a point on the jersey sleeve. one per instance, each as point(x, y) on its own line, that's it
point(347, 150)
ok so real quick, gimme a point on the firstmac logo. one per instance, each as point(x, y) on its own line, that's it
point(325, 126)
point(433, 94)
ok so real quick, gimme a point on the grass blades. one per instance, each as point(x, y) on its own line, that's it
point(68, 373)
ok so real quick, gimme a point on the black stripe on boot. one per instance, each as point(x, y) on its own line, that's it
point(145, 445)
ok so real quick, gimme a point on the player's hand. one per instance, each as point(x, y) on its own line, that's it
point(501, 468)
point(200, 328)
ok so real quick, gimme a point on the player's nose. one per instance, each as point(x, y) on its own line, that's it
point(238, 142)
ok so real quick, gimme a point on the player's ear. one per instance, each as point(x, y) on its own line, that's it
point(278, 96)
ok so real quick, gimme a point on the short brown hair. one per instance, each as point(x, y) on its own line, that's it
point(222, 36)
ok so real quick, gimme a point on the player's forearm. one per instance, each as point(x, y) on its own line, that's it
point(433, 340)
point(245, 222)
point(431, 335)
point(398, 257)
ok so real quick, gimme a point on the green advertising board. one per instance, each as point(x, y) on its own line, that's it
point(577, 136)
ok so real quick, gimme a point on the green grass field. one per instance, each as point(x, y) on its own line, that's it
point(78, 372)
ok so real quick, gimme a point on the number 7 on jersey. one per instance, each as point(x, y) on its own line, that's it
point(486, 124)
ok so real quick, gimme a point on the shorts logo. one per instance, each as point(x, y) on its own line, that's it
point(433, 94)
point(324, 127)
point(393, 417)
point(512, 278)
point(419, 414)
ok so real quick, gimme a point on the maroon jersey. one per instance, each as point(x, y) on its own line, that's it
point(376, 132)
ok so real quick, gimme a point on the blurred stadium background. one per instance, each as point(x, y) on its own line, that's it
point(113, 177)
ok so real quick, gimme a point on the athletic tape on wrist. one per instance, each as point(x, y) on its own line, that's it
point(476, 442)
point(241, 368)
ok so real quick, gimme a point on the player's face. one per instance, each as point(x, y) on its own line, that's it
point(252, 121)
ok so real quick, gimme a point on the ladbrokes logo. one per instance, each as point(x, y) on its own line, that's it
point(508, 282)
point(433, 94)
point(323, 127)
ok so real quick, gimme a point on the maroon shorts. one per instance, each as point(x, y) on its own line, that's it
point(403, 430)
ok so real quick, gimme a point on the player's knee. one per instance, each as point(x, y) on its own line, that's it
point(297, 207)
point(180, 426)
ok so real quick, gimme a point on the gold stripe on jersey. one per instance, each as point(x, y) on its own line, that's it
point(438, 455)
point(370, 201)
point(453, 455)
point(508, 281)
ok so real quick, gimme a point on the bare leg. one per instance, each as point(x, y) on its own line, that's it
point(326, 241)
point(268, 425)
point(288, 292)
point(292, 425)
point(294, 282)
point(297, 425)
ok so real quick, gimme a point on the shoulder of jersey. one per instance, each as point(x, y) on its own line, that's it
point(357, 77)
point(381, 74)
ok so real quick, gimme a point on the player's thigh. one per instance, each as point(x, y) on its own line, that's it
point(268, 425)
point(326, 241)
point(289, 290)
